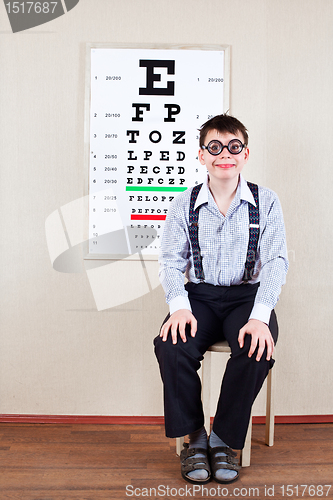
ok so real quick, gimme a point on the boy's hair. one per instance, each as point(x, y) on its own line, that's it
point(223, 123)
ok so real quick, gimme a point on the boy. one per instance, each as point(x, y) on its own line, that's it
point(228, 237)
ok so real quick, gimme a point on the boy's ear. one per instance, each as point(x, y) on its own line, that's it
point(247, 153)
point(201, 157)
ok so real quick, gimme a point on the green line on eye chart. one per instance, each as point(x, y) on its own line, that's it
point(154, 188)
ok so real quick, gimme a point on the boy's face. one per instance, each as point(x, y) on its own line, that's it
point(225, 166)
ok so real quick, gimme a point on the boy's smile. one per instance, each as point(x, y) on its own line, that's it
point(225, 166)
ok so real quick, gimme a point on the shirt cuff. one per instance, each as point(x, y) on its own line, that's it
point(261, 312)
point(179, 302)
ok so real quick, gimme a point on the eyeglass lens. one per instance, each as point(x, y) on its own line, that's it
point(234, 147)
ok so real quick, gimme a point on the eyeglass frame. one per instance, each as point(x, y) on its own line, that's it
point(223, 146)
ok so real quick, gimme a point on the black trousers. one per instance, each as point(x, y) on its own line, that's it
point(220, 312)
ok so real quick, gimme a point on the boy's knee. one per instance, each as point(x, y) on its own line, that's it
point(181, 351)
point(157, 344)
point(162, 347)
point(243, 353)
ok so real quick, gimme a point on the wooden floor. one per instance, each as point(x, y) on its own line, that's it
point(116, 462)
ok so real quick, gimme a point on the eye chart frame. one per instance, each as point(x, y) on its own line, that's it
point(144, 105)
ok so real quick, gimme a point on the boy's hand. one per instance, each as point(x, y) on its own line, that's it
point(177, 321)
point(260, 334)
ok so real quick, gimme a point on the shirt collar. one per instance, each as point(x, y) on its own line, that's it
point(245, 193)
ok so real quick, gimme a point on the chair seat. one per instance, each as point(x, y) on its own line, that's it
point(221, 346)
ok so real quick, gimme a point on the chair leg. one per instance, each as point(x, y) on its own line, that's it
point(269, 437)
point(206, 383)
point(179, 445)
point(246, 451)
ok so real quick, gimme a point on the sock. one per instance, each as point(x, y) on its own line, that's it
point(198, 439)
point(221, 474)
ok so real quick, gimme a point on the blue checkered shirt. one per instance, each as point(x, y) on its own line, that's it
point(223, 243)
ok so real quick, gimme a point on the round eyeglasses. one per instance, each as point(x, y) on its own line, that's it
point(216, 147)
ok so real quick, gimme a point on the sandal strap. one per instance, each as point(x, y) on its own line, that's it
point(229, 459)
point(190, 463)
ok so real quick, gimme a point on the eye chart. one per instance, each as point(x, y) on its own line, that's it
point(145, 108)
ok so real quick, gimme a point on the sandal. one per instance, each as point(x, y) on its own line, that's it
point(230, 459)
point(189, 463)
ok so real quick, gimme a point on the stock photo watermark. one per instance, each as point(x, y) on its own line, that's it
point(24, 15)
point(266, 491)
point(68, 246)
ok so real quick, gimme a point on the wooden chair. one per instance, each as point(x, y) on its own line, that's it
point(223, 346)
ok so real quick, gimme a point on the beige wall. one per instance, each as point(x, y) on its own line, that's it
point(58, 355)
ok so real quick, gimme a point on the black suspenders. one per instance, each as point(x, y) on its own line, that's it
point(253, 237)
point(194, 237)
point(254, 234)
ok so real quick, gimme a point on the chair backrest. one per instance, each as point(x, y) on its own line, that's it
point(222, 346)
